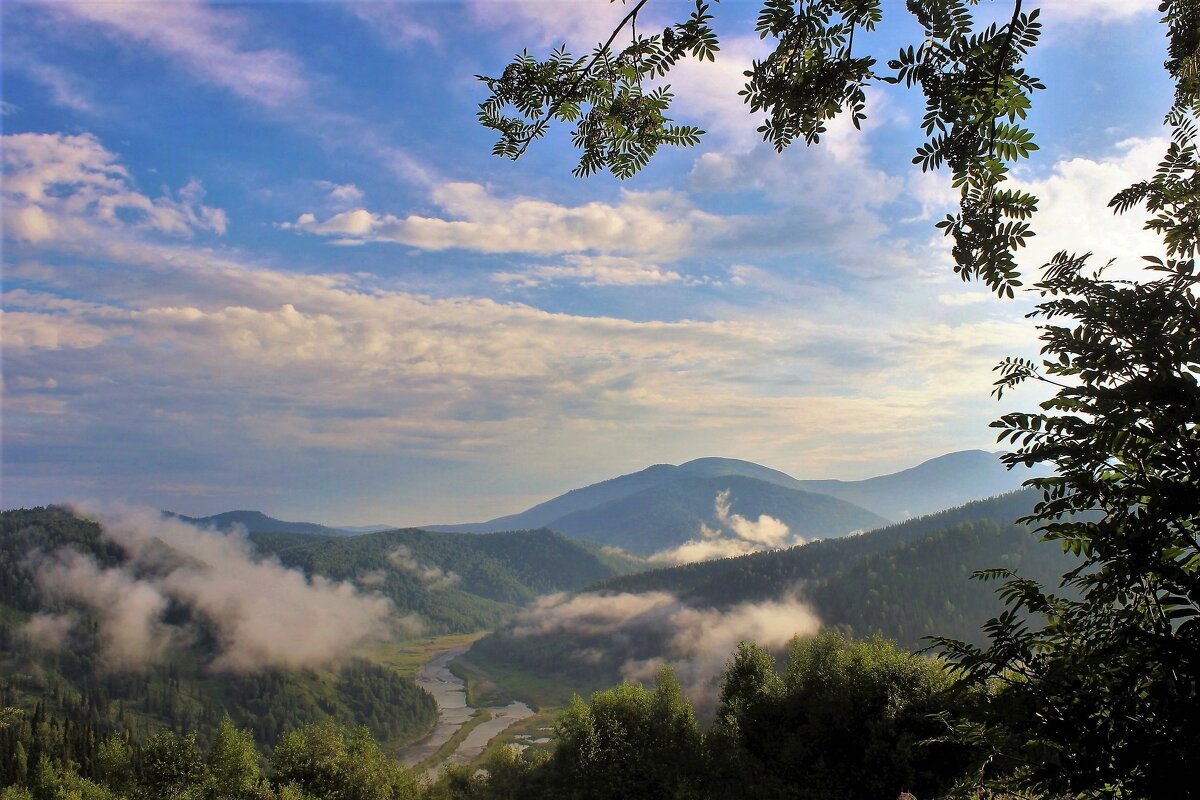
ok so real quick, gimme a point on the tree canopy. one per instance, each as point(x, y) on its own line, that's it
point(1090, 692)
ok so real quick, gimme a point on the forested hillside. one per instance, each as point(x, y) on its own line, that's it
point(608, 510)
point(78, 685)
point(905, 581)
point(456, 582)
point(57, 650)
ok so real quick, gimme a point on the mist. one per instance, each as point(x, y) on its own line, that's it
point(261, 614)
point(431, 577)
point(695, 642)
point(734, 535)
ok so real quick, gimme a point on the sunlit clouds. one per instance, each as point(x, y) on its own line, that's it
point(265, 260)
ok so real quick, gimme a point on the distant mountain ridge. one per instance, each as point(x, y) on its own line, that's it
point(664, 505)
point(256, 521)
point(931, 486)
point(593, 511)
point(906, 581)
point(671, 513)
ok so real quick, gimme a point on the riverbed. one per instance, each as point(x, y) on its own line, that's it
point(450, 693)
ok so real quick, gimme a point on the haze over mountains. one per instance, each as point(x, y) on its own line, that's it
point(665, 506)
point(662, 505)
point(906, 581)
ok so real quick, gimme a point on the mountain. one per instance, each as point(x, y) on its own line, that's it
point(905, 581)
point(671, 513)
point(70, 593)
point(544, 514)
point(71, 672)
point(438, 574)
point(936, 484)
point(257, 521)
point(759, 576)
point(658, 501)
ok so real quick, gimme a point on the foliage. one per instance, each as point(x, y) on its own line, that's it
point(619, 124)
point(977, 96)
point(1101, 700)
point(335, 763)
point(628, 742)
point(323, 761)
point(849, 717)
point(1098, 698)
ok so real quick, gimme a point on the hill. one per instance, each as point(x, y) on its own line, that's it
point(256, 521)
point(934, 485)
point(905, 581)
point(170, 627)
point(671, 513)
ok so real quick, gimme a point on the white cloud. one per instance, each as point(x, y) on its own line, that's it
point(661, 224)
point(696, 642)
point(63, 87)
point(1073, 212)
point(230, 362)
point(591, 271)
point(62, 187)
point(735, 535)
point(342, 194)
point(432, 576)
point(262, 614)
point(205, 41)
point(395, 24)
point(581, 24)
point(1091, 11)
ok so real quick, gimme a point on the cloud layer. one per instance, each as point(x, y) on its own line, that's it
point(695, 642)
point(734, 535)
point(261, 614)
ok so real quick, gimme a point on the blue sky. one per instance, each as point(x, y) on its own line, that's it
point(260, 256)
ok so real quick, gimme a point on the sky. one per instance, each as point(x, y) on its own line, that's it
point(259, 256)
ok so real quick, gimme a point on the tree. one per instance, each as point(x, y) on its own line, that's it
point(628, 742)
point(332, 762)
point(1093, 696)
point(845, 721)
point(233, 763)
point(172, 766)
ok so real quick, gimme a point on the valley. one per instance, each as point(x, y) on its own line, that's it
point(514, 621)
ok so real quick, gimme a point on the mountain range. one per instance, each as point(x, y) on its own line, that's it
point(665, 505)
point(906, 581)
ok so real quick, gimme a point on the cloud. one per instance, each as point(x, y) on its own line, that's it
point(131, 632)
point(396, 25)
point(582, 25)
point(695, 642)
point(1073, 212)
point(261, 614)
point(1093, 11)
point(59, 187)
point(342, 194)
point(735, 536)
point(206, 42)
point(431, 576)
point(63, 87)
point(590, 271)
point(245, 368)
point(660, 224)
point(48, 631)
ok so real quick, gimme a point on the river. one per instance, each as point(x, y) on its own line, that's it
point(450, 692)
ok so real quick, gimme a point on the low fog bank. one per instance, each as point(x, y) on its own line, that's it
point(734, 535)
point(646, 631)
point(258, 613)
